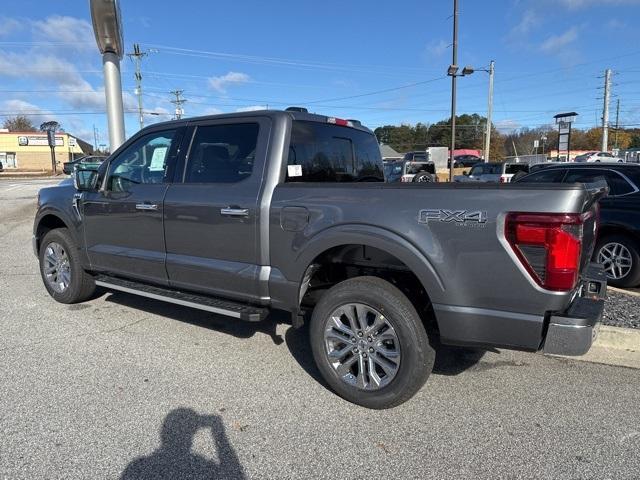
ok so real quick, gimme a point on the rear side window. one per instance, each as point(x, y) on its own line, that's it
point(321, 152)
point(222, 153)
point(515, 168)
point(617, 184)
point(549, 175)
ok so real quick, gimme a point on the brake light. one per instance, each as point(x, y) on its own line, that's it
point(339, 121)
point(549, 246)
point(503, 179)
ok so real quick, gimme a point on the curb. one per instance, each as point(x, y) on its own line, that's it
point(626, 292)
point(614, 346)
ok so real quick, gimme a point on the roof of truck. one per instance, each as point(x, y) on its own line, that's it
point(295, 115)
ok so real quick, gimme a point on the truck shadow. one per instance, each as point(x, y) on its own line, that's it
point(201, 318)
point(449, 360)
point(175, 459)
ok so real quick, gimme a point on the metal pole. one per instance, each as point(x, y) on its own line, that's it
point(113, 94)
point(453, 87)
point(617, 120)
point(605, 112)
point(487, 138)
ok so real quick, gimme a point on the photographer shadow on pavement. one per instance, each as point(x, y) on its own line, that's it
point(175, 459)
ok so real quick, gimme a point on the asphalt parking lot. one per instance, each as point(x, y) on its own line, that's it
point(128, 387)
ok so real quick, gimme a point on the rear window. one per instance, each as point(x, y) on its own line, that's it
point(516, 167)
point(413, 168)
point(321, 152)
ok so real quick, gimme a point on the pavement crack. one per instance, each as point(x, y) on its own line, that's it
point(66, 337)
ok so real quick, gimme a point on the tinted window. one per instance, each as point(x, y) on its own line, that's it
point(144, 161)
point(493, 169)
point(476, 170)
point(415, 168)
point(549, 175)
point(222, 153)
point(517, 167)
point(617, 184)
point(330, 153)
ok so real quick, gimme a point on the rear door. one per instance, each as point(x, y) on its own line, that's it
point(212, 209)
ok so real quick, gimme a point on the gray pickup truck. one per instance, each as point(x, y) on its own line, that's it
point(242, 214)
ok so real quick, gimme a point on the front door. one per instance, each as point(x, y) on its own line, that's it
point(123, 222)
point(212, 212)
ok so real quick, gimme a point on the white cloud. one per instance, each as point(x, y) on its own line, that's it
point(507, 126)
point(577, 4)
point(212, 111)
point(252, 108)
point(221, 83)
point(34, 113)
point(556, 42)
point(530, 19)
point(60, 29)
point(436, 48)
point(9, 25)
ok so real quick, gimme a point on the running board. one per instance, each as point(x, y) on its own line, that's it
point(194, 300)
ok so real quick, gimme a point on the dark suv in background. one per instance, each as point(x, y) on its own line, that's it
point(618, 247)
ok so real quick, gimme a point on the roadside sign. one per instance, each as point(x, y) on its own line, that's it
point(51, 138)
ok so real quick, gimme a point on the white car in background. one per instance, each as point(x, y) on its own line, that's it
point(597, 157)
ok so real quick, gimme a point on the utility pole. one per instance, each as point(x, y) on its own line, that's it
point(487, 138)
point(605, 110)
point(617, 120)
point(95, 138)
point(454, 63)
point(178, 102)
point(137, 56)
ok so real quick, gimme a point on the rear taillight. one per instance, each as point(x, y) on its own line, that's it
point(548, 245)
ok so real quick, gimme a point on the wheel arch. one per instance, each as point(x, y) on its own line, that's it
point(384, 253)
point(48, 220)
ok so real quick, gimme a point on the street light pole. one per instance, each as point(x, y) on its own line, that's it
point(487, 138)
point(454, 64)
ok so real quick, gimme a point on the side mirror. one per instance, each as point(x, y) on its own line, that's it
point(85, 179)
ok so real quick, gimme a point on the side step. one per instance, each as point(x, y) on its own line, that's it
point(188, 299)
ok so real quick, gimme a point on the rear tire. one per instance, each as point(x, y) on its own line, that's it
point(388, 355)
point(61, 269)
point(423, 177)
point(620, 256)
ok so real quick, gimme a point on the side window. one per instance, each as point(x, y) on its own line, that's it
point(143, 162)
point(547, 175)
point(222, 153)
point(476, 170)
point(617, 184)
point(321, 152)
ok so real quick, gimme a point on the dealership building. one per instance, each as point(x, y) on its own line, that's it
point(29, 151)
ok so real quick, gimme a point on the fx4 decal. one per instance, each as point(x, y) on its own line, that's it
point(459, 217)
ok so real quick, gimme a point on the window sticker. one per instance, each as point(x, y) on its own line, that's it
point(294, 170)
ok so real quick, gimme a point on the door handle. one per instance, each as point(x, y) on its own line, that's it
point(146, 206)
point(234, 212)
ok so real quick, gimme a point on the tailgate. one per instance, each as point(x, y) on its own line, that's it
point(597, 190)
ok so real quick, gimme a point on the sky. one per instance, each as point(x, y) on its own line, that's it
point(383, 63)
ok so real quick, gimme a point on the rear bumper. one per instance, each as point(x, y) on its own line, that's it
point(574, 331)
point(567, 332)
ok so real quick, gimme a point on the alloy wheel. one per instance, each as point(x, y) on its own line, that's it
point(362, 346)
point(616, 259)
point(57, 269)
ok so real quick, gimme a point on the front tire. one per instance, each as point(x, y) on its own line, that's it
point(370, 344)
point(61, 269)
point(621, 259)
